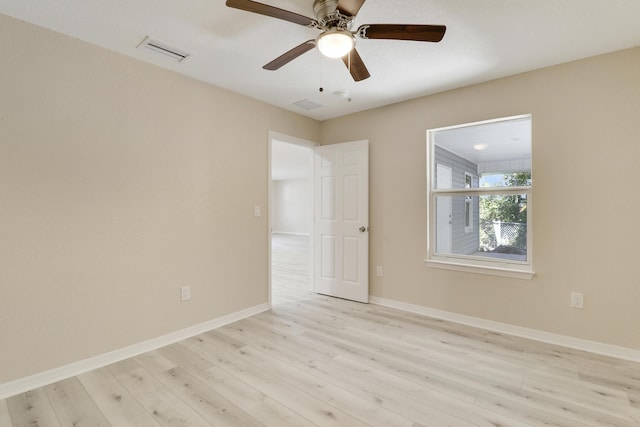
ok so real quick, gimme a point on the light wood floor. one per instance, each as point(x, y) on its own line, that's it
point(291, 271)
point(329, 362)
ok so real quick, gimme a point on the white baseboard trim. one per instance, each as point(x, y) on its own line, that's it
point(57, 374)
point(291, 233)
point(505, 328)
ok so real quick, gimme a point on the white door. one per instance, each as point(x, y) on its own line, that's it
point(443, 211)
point(341, 220)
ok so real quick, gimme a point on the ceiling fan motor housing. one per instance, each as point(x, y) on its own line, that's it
point(328, 15)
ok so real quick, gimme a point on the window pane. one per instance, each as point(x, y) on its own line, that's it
point(513, 179)
point(492, 226)
point(498, 152)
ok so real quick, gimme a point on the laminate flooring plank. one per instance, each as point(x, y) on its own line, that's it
point(634, 401)
point(634, 411)
point(402, 352)
point(271, 320)
point(262, 407)
point(389, 399)
point(530, 415)
point(154, 362)
point(560, 409)
point(598, 413)
point(433, 377)
point(620, 379)
point(406, 391)
point(214, 407)
point(270, 412)
point(167, 409)
point(419, 327)
point(369, 322)
point(499, 383)
point(291, 351)
point(518, 347)
point(283, 335)
point(185, 358)
point(366, 354)
point(240, 331)
point(307, 405)
point(589, 395)
point(232, 343)
point(32, 409)
point(578, 357)
point(441, 378)
point(485, 354)
point(470, 357)
point(73, 405)
point(303, 402)
point(115, 402)
point(325, 389)
point(290, 269)
point(304, 381)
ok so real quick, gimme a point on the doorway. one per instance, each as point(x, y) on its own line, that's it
point(291, 218)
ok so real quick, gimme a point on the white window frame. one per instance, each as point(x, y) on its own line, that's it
point(468, 205)
point(469, 263)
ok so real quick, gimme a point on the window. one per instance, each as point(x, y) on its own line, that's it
point(479, 199)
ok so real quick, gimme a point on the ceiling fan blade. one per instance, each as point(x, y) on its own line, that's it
point(350, 7)
point(274, 12)
point(421, 33)
point(289, 56)
point(356, 66)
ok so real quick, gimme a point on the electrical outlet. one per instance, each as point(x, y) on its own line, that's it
point(379, 271)
point(577, 300)
point(256, 210)
point(185, 293)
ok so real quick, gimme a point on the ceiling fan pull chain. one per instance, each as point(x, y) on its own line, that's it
point(321, 75)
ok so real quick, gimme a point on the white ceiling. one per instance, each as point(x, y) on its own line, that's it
point(485, 39)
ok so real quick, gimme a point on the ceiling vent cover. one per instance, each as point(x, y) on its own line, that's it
point(306, 104)
point(163, 48)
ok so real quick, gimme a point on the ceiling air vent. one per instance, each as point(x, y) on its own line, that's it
point(163, 48)
point(306, 104)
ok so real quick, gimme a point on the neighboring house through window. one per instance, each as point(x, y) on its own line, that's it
point(480, 196)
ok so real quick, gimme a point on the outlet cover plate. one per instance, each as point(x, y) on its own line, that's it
point(185, 293)
point(577, 300)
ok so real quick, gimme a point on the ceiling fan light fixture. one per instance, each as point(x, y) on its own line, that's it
point(335, 43)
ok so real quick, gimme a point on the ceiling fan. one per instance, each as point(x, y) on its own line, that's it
point(334, 18)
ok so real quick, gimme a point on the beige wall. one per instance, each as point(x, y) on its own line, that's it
point(586, 150)
point(119, 183)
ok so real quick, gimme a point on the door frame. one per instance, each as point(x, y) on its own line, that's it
point(289, 140)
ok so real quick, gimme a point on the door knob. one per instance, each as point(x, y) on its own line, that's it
point(362, 229)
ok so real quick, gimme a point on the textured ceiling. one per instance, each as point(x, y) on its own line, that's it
point(485, 40)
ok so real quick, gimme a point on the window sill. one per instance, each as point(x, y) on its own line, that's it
point(481, 269)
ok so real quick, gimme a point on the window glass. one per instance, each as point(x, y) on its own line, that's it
point(480, 191)
point(490, 151)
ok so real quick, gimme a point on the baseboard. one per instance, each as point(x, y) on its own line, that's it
point(291, 233)
point(505, 328)
point(48, 377)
